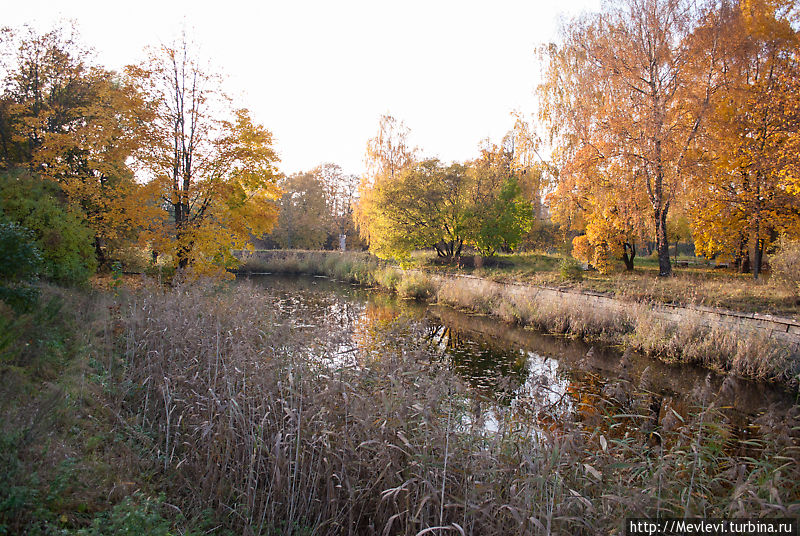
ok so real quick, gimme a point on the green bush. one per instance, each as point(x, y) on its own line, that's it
point(19, 267)
point(135, 515)
point(65, 242)
point(570, 270)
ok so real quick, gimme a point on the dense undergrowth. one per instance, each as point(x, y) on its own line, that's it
point(747, 355)
point(69, 461)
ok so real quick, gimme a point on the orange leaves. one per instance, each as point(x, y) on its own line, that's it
point(744, 196)
point(654, 105)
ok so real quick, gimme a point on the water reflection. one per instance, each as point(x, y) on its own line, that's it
point(518, 373)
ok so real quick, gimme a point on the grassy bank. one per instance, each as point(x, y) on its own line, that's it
point(695, 282)
point(747, 355)
point(68, 462)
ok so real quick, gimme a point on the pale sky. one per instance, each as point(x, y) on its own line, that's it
point(319, 74)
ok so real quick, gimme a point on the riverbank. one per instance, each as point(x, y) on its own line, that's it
point(754, 347)
point(694, 282)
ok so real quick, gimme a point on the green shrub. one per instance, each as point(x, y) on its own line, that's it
point(65, 242)
point(135, 515)
point(570, 270)
point(35, 338)
point(19, 267)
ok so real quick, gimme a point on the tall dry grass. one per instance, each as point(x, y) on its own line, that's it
point(746, 354)
point(246, 423)
point(639, 326)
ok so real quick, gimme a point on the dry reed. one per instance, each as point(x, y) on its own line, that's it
point(276, 442)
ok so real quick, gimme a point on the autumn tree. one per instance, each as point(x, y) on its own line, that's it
point(424, 205)
point(741, 198)
point(341, 194)
point(624, 97)
point(387, 153)
point(610, 210)
point(213, 169)
point(76, 124)
point(535, 174)
point(47, 86)
point(498, 216)
point(304, 216)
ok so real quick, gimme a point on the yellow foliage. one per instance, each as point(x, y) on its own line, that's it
point(215, 178)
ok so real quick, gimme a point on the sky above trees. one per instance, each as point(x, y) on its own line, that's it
point(320, 74)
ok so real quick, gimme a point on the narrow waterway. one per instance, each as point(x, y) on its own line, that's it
point(509, 367)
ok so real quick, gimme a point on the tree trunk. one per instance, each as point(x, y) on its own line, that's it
point(758, 257)
point(101, 256)
point(662, 244)
point(628, 259)
point(184, 248)
point(740, 255)
point(745, 266)
point(759, 246)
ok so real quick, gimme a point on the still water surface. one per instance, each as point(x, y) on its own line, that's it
point(507, 367)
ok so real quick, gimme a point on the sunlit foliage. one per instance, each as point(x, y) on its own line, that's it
point(213, 169)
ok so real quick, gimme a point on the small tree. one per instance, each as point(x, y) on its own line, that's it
point(421, 206)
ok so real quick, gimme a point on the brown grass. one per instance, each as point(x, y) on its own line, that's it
point(277, 443)
point(635, 325)
point(695, 284)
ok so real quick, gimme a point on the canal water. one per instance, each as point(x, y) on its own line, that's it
point(513, 368)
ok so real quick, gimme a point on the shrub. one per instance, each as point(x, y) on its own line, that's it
point(136, 514)
point(63, 238)
point(19, 266)
point(570, 270)
point(388, 277)
point(785, 264)
point(415, 285)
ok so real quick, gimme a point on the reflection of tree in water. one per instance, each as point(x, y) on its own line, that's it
point(490, 369)
point(513, 382)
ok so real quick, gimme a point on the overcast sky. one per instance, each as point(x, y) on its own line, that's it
point(319, 74)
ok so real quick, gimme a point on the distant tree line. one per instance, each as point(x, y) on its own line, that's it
point(316, 211)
